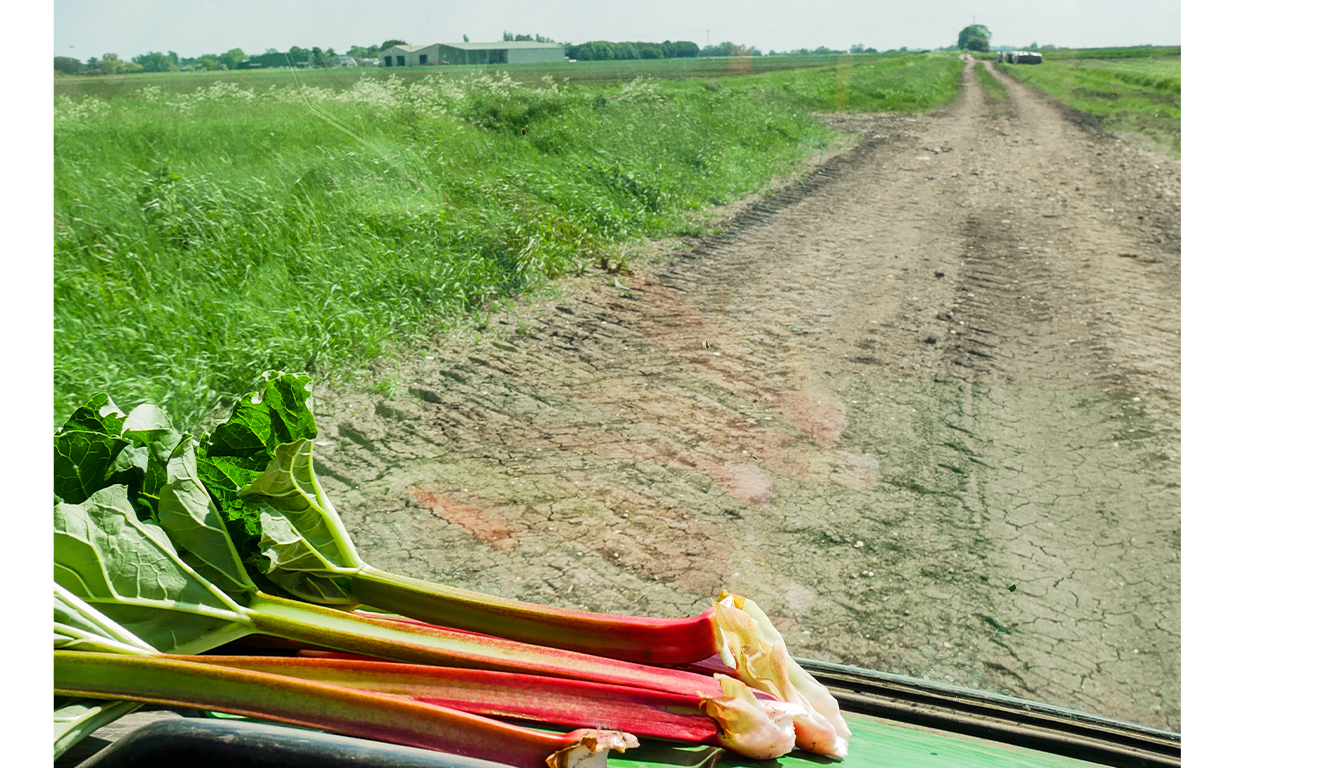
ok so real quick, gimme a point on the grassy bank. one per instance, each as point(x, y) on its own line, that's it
point(1138, 94)
point(205, 235)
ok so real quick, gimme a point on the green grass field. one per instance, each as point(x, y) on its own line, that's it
point(578, 72)
point(1141, 95)
point(210, 228)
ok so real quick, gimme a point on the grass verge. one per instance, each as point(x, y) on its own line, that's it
point(995, 92)
point(203, 236)
point(1127, 94)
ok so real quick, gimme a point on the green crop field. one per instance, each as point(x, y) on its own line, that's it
point(1139, 94)
point(210, 227)
point(527, 74)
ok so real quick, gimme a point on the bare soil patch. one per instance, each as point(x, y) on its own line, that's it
point(922, 405)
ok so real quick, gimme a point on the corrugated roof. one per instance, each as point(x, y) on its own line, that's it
point(501, 44)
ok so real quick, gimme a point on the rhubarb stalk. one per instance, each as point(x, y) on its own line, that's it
point(188, 683)
point(128, 569)
point(737, 720)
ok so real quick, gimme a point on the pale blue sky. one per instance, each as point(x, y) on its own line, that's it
point(85, 28)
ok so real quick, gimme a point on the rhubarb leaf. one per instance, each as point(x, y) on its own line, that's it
point(240, 449)
point(153, 439)
point(87, 449)
point(76, 718)
point(258, 468)
point(289, 487)
point(195, 526)
point(128, 569)
point(80, 626)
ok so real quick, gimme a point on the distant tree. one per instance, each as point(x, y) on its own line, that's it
point(68, 66)
point(318, 57)
point(389, 43)
point(234, 59)
point(92, 62)
point(155, 62)
point(110, 64)
point(681, 49)
point(271, 50)
point(971, 31)
point(507, 36)
point(465, 38)
point(652, 52)
point(979, 44)
point(730, 49)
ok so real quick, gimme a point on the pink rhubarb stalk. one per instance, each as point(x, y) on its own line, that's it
point(639, 639)
point(418, 643)
point(738, 720)
point(185, 682)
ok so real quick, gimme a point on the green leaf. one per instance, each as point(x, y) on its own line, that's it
point(151, 432)
point(194, 524)
point(289, 486)
point(84, 462)
point(99, 414)
point(76, 718)
point(286, 395)
point(257, 468)
point(88, 449)
point(80, 626)
point(128, 570)
point(238, 450)
point(289, 560)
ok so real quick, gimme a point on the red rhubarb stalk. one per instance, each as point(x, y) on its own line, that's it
point(323, 706)
point(630, 638)
point(739, 721)
point(417, 643)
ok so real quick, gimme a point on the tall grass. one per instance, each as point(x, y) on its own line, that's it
point(1141, 95)
point(204, 236)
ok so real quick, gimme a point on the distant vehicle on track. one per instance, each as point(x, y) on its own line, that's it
point(1020, 57)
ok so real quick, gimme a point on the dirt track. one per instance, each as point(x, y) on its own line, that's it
point(923, 406)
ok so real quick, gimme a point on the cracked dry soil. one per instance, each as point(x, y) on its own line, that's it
point(922, 405)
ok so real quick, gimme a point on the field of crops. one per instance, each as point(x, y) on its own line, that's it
point(210, 227)
point(1140, 94)
point(527, 74)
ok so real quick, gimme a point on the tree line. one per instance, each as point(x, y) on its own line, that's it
point(154, 61)
point(297, 56)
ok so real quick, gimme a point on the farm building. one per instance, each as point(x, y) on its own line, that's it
point(438, 54)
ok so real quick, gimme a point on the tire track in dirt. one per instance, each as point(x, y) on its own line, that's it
point(923, 405)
